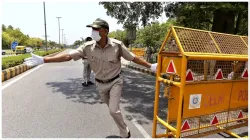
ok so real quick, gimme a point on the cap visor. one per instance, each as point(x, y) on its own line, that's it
point(93, 25)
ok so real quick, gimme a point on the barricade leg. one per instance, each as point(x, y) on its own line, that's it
point(183, 80)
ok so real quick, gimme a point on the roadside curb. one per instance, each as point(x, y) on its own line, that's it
point(144, 70)
point(14, 71)
point(9, 53)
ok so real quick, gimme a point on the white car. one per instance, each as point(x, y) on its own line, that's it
point(29, 49)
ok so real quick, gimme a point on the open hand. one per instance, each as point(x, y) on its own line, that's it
point(34, 60)
point(153, 67)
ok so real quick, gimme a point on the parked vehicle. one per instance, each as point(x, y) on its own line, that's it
point(20, 50)
point(3, 52)
point(29, 49)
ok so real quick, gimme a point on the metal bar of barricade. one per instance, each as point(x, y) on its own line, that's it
point(165, 40)
point(177, 40)
point(157, 91)
point(169, 82)
point(243, 41)
point(210, 57)
point(183, 81)
point(166, 125)
point(215, 54)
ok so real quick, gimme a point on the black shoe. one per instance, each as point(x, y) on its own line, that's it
point(84, 84)
point(128, 135)
point(90, 83)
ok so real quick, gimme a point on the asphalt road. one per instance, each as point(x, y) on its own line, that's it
point(50, 102)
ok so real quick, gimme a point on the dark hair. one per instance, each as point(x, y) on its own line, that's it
point(88, 39)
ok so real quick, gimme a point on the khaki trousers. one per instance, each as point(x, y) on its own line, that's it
point(86, 71)
point(111, 94)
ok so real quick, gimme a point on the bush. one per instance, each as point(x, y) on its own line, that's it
point(12, 61)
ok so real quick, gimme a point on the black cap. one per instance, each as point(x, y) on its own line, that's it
point(88, 39)
point(99, 23)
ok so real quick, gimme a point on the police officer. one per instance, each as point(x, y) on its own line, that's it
point(86, 69)
point(104, 55)
point(148, 53)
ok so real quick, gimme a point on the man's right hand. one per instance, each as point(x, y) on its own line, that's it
point(34, 60)
point(153, 67)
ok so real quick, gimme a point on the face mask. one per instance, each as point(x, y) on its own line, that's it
point(95, 35)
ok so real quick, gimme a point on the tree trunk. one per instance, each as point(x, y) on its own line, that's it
point(238, 23)
point(223, 21)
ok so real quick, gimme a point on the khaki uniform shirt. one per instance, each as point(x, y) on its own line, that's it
point(105, 62)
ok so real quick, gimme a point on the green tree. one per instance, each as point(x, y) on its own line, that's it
point(226, 17)
point(10, 27)
point(17, 35)
point(131, 13)
point(78, 43)
point(118, 34)
point(3, 28)
point(52, 43)
point(6, 40)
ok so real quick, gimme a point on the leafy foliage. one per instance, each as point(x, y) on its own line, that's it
point(227, 17)
point(132, 13)
point(12, 61)
point(10, 34)
point(210, 15)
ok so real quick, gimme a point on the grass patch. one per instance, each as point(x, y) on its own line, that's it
point(12, 61)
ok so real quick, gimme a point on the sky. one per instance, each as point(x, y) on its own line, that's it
point(29, 17)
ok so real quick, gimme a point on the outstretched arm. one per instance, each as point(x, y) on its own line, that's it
point(73, 54)
point(142, 62)
point(57, 58)
point(131, 57)
point(38, 60)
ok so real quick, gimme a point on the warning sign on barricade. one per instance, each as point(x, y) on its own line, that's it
point(185, 126)
point(245, 74)
point(189, 76)
point(219, 75)
point(171, 68)
point(240, 115)
point(214, 120)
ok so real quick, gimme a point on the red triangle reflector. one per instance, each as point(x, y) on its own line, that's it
point(214, 121)
point(219, 75)
point(171, 67)
point(189, 75)
point(240, 115)
point(185, 126)
point(245, 74)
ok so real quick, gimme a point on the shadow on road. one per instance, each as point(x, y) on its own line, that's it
point(137, 98)
point(113, 136)
point(74, 90)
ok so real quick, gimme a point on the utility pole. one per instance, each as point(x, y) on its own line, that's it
point(59, 28)
point(62, 36)
point(45, 26)
point(64, 39)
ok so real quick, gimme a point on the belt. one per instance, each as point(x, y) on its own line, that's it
point(109, 80)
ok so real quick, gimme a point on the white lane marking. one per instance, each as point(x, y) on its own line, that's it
point(139, 127)
point(14, 80)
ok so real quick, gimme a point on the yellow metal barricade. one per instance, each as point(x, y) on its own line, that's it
point(140, 52)
point(206, 83)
